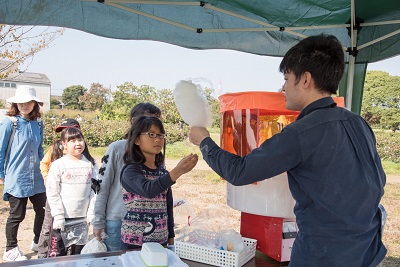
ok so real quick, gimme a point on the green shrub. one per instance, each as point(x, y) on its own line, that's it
point(101, 133)
point(175, 132)
point(97, 133)
point(388, 145)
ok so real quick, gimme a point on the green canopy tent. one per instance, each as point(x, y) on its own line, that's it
point(368, 30)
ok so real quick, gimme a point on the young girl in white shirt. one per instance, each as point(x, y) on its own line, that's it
point(69, 192)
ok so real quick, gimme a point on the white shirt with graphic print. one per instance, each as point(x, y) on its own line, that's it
point(68, 187)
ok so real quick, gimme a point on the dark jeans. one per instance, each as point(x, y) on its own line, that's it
point(43, 244)
point(17, 215)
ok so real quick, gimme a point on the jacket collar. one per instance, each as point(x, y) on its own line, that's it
point(326, 102)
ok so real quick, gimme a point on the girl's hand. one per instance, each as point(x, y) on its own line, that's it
point(185, 165)
point(59, 223)
point(171, 245)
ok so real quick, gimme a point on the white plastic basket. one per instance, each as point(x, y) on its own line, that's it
point(193, 252)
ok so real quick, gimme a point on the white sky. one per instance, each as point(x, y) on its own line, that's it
point(79, 58)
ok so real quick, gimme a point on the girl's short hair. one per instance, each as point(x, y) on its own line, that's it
point(73, 133)
point(144, 109)
point(142, 124)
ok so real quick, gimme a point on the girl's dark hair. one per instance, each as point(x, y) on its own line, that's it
point(74, 133)
point(144, 109)
point(34, 115)
point(142, 124)
point(58, 150)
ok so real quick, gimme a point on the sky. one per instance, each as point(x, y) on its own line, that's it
point(79, 58)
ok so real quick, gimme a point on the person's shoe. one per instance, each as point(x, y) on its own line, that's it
point(14, 255)
point(34, 247)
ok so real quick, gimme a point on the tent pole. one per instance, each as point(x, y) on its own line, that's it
point(350, 82)
point(352, 58)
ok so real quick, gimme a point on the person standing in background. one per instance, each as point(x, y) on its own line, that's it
point(109, 207)
point(21, 150)
point(78, 117)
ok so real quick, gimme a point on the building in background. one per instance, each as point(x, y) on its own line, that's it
point(39, 81)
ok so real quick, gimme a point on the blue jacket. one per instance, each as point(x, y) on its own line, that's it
point(335, 175)
point(22, 176)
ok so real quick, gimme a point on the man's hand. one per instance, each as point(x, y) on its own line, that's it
point(197, 134)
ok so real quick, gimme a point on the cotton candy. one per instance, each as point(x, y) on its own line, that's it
point(192, 104)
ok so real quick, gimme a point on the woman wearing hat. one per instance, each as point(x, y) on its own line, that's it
point(19, 166)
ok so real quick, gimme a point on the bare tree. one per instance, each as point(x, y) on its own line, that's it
point(20, 43)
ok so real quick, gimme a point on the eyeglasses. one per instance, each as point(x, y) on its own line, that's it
point(155, 135)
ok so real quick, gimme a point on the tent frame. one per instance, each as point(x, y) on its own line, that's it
point(353, 27)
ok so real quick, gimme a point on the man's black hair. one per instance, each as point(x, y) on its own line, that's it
point(322, 56)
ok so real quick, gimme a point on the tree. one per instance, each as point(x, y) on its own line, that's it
point(165, 102)
point(95, 98)
point(123, 100)
point(381, 100)
point(70, 96)
point(54, 103)
point(214, 106)
point(20, 43)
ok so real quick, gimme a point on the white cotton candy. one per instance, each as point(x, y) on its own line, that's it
point(192, 104)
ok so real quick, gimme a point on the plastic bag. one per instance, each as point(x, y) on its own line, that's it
point(230, 240)
point(211, 228)
point(183, 213)
point(214, 218)
point(94, 246)
point(75, 232)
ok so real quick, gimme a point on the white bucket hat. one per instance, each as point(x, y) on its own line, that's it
point(24, 94)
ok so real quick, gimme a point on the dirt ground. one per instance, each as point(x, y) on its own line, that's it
point(197, 192)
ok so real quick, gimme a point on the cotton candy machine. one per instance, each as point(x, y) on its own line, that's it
point(248, 119)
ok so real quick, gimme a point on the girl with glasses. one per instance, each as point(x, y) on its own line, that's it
point(109, 209)
point(147, 185)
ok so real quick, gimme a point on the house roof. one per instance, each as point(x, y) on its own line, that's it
point(28, 77)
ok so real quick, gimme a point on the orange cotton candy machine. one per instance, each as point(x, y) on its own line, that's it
point(248, 119)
